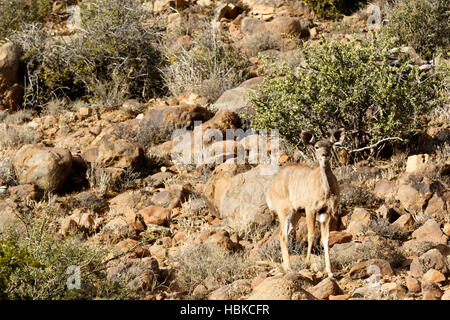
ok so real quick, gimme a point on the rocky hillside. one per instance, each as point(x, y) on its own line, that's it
point(101, 174)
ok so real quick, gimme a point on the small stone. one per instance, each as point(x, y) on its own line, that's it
point(394, 289)
point(446, 295)
point(433, 276)
point(339, 237)
point(258, 279)
point(405, 222)
point(413, 284)
point(84, 111)
point(180, 235)
point(200, 292)
point(446, 229)
point(431, 291)
point(325, 288)
point(339, 297)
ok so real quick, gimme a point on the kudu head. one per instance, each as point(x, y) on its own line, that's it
point(323, 147)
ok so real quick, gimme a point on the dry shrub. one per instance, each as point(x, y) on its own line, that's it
point(113, 56)
point(195, 262)
point(260, 41)
point(211, 66)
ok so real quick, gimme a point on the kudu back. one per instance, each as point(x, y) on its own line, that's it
point(315, 190)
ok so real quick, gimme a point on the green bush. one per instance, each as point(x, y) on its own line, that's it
point(16, 13)
point(111, 58)
point(345, 85)
point(211, 66)
point(422, 24)
point(34, 261)
point(331, 9)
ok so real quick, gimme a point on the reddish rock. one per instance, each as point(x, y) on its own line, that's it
point(325, 288)
point(155, 215)
point(413, 284)
point(339, 237)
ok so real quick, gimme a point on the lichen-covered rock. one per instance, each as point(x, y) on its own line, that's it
point(45, 167)
point(11, 89)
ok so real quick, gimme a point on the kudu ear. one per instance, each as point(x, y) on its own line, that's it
point(337, 137)
point(307, 137)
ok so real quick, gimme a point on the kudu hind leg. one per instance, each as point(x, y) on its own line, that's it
point(284, 227)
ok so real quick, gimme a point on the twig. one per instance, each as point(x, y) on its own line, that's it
point(115, 257)
point(375, 144)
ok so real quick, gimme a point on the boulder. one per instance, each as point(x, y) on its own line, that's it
point(287, 25)
point(267, 9)
point(446, 295)
point(243, 204)
point(220, 179)
point(417, 163)
point(78, 221)
point(119, 153)
point(155, 215)
point(140, 274)
point(25, 192)
point(171, 197)
point(433, 276)
point(413, 284)
point(394, 289)
point(218, 237)
point(432, 259)
point(374, 266)
point(183, 116)
point(223, 119)
point(249, 24)
point(387, 213)
point(236, 100)
point(385, 189)
point(11, 88)
point(160, 6)
point(116, 229)
point(405, 222)
point(226, 11)
point(280, 288)
point(430, 231)
point(415, 191)
point(45, 167)
point(358, 221)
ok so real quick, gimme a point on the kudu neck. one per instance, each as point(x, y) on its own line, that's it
point(326, 173)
